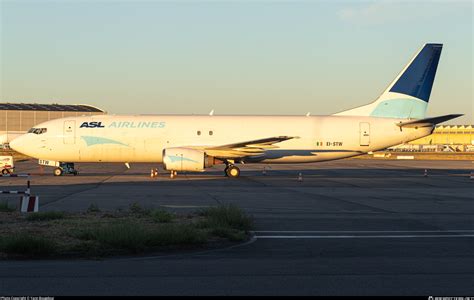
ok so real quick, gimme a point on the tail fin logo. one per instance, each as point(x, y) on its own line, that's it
point(417, 79)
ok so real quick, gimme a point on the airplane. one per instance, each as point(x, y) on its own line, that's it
point(197, 142)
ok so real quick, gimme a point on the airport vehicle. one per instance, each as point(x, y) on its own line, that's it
point(196, 142)
point(6, 164)
point(61, 167)
point(7, 136)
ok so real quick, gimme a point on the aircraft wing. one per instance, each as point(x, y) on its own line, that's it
point(244, 149)
point(428, 121)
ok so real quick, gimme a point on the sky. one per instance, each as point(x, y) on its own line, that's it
point(233, 57)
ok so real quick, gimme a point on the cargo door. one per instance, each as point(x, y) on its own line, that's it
point(69, 133)
point(364, 134)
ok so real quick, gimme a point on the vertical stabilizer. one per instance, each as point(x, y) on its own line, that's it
point(408, 95)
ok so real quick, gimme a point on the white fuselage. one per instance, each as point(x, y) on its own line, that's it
point(142, 138)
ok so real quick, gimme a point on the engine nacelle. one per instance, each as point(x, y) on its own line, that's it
point(186, 159)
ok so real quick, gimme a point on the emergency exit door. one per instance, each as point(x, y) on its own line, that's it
point(69, 133)
point(364, 134)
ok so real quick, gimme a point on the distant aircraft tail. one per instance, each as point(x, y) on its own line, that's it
point(408, 95)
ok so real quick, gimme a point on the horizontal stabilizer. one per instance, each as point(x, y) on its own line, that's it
point(428, 121)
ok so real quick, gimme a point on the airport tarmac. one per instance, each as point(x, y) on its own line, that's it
point(350, 227)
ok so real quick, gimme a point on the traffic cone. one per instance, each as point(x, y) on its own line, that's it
point(426, 173)
point(300, 177)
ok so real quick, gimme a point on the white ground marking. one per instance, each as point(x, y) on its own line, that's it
point(363, 234)
point(362, 231)
point(184, 206)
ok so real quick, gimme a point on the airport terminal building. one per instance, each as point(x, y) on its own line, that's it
point(18, 118)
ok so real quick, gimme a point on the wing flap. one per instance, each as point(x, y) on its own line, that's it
point(260, 143)
point(248, 148)
point(231, 153)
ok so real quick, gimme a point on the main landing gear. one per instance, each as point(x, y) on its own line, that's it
point(231, 171)
point(65, 168)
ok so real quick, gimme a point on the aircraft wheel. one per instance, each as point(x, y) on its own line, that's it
point(5, 171)
point(233, 172)
point(58, 172)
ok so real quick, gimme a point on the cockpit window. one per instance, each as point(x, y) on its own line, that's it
point(37, 130)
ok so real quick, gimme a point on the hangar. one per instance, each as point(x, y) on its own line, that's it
point(445, 138)
point(449, 134)
point(18, 118)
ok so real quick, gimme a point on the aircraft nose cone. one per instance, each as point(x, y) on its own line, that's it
point(13, 144)
point(16, 143)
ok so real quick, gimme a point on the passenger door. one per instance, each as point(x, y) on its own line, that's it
point(364, 133)
point(69, 133)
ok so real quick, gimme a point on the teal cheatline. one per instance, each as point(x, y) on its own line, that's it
point(95, 140)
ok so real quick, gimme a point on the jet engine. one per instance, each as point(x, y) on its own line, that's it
point(186, 159)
